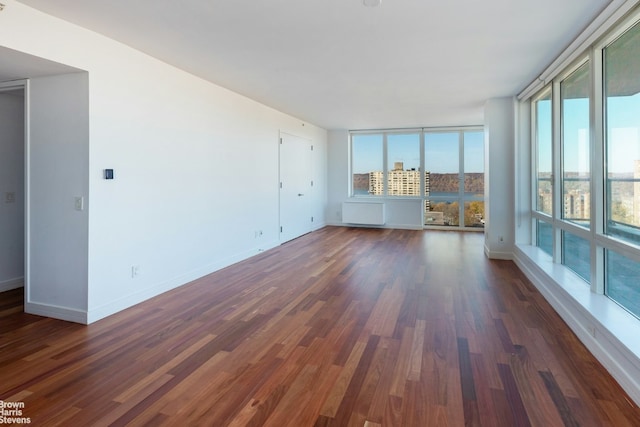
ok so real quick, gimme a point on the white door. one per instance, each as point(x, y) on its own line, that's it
point(295, 187)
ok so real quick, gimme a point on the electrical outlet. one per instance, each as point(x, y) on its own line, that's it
point(135, 271)
point(10, 197)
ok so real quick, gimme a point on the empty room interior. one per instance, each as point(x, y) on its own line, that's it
point(339, 213)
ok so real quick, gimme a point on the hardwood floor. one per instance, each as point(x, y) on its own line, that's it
point(341, 327)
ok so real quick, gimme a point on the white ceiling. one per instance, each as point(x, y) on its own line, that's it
point(340, 65)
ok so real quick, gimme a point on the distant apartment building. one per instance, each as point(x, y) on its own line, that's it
point(545, 201)
point(577, 205)
point(376, 183)
point(400, 182)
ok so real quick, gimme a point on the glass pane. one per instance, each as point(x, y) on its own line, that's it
point(544, 154)
point(442, 163)
point(474, 214)
point(621, 281)
point(403, 169)
point(366, 158)
point(442, 212)
point(576, 254)
point(474, 164)
point(622, 89)
point(544, 236)
point(576, 175)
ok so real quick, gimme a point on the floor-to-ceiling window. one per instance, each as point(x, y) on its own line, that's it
point(586, 167)
point(543, 183)
point(455, 162)
point(473, 178)
point(445, 168)
point(575, 196)
point(403, 164)
point(621, 79)
point(576, 175)
point(442, 160)
point(366, 160)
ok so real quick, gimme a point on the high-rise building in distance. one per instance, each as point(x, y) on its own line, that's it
point(400, 182)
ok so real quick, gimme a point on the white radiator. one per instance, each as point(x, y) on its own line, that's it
point(363, 213)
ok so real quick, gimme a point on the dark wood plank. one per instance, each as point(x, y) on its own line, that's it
point(520, 416)
point(558, 399)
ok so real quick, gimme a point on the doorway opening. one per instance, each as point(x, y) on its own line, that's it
point(12, 186)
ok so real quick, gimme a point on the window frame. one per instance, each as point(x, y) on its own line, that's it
point(461, 197)
point(535, 168)
point(351, 160)
point(595, 235)
point(581, 62)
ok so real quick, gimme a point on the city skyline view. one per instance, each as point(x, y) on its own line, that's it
point(453, 174)
point(441, 207)
point(586, 146)
point(622, 159)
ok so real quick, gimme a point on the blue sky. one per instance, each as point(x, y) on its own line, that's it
point(624, 137)
point(623, 132)
point(441, 151)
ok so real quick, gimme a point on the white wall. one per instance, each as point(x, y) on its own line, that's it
point(338, 174)
point(320, 176)
point(499, 177)
point(11, 181)
point(196, 166)
point(196, 173)
point(57, 173)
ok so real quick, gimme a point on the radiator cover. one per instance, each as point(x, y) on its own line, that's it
point(363, 213)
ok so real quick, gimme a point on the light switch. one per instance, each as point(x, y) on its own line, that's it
point(79, 203)
point(10, 197)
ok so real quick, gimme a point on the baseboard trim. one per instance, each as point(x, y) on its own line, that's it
point(56, 312)
point(10, 284)
point(318, 226)
point(497, 254)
